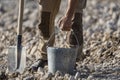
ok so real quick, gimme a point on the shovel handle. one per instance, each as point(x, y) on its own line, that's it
point(19, 32)
point(20, 17)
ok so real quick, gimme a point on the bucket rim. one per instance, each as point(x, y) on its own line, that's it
point(61, 47)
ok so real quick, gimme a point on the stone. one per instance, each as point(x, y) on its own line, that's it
point(29, 78)
point(90, 77)
point(48, 76)
point(117, 53)
point(40, 71)
point(2, 75)
point(77, 75)
point(71, 78)
point(101, 32)
point(34, 49)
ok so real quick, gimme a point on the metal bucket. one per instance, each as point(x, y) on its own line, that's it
point(61, 59)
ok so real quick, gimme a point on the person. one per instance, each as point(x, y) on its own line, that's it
point(72, 19)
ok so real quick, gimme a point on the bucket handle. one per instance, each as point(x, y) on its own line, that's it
point(53, 34)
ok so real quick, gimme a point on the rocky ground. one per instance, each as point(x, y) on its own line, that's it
point(101, 22)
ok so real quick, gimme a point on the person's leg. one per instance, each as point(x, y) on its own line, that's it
point(78, 29)
point(49, 10)
point(46, 26)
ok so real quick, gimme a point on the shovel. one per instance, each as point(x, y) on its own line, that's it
point(17, 54)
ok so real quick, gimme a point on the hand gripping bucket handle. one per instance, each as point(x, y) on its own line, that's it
point(61, 59)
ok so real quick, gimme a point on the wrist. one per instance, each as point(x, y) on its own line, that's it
point(69, 15)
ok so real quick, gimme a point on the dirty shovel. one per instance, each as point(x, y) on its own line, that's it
point(17, 54)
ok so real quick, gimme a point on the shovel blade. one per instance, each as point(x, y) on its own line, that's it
point(13, 60)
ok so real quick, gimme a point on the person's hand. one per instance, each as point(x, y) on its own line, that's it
point(65, 23)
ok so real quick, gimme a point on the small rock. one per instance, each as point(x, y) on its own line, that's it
point(58, 73)
point(66, 76)
point(13, 75)
point(40, 71)
point(29, 78)
point(3, 76)
point(17, 79)
point(118, 23)
point(77, 75)
point(48, 76)
point(100, 51)
point(3, 38)
point(27, 11)
point(34, 66)
point(71, 78)
point(90, 77)
point(34, 49)
point(117, 53)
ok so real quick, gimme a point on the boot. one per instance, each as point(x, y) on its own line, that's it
point(78, 31)
point(39, 63)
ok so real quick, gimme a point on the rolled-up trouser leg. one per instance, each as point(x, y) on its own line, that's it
point(44, 25)
point(77, 33)
point(80, 6)
point(78, 29)
point(49, 11)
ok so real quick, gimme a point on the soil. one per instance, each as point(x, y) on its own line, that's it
point(101, 28)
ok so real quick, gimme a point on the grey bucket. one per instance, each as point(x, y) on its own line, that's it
point(62, 59)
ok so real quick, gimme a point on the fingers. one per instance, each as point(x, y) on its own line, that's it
point(60, 23)
point(65, 24)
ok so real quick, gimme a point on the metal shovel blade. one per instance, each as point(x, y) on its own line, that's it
point(13, 60)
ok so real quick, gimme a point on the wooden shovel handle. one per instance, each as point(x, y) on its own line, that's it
point(19, 32)
point(20, 17)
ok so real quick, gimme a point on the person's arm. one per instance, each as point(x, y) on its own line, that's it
point(65, 22)
point(71, 8)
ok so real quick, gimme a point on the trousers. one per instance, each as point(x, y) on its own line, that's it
point(49, 11)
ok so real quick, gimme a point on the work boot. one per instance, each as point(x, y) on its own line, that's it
point(77, 33)
point(39, 63)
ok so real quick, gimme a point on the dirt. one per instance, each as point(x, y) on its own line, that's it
point(101, 27)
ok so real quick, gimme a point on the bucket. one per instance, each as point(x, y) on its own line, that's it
point(61, 59)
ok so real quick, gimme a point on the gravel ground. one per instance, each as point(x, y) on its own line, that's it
point(101, 22)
